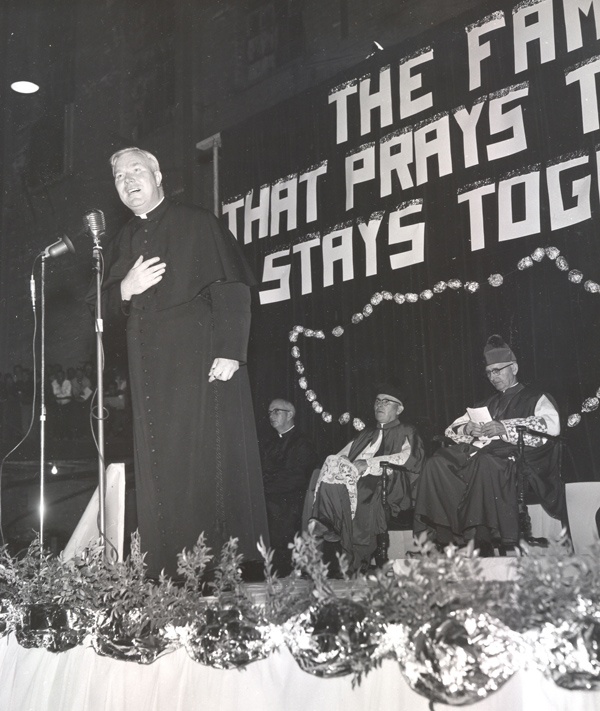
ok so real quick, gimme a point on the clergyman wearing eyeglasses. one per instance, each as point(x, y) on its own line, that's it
point(288, 458)
point(346, 510)
point(469, 489)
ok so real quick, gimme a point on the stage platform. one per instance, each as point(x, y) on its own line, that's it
point(81, 680)
point(496, 568)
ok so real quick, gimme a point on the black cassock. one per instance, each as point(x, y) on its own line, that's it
point(465, 492)
point(287, 463)
point(331, 505)
point(197, 466)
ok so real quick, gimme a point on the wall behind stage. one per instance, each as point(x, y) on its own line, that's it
point(451, 157)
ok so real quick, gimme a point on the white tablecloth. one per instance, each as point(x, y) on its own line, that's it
point(80, 680)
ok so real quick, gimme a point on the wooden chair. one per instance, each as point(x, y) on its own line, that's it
point(402, 522)
point(526, 497)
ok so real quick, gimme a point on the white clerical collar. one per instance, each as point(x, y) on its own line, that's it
point(144, 215)
point(510, 388)
point(282, 433)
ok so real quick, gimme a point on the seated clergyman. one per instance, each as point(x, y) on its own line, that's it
point(347, 508)
point(288, 459)
point(469, 489)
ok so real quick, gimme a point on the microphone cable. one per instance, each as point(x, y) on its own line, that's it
point(34, 396)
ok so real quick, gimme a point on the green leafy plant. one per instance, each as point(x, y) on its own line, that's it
point(551, 586)
point(135, 606)
point(37, 578)
point(286, 597)
point(435, 583)
point(192, 565)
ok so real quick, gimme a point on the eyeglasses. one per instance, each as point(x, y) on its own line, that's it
point(385, 402)
point(277, 410)
point(496, 371)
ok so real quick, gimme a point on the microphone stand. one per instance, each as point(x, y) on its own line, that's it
point(42, 398)
point(54, 250)
point(100, 392)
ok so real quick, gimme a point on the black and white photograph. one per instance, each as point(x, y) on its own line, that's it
point(299, 374)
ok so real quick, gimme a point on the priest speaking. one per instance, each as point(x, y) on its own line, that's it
point(184, 285)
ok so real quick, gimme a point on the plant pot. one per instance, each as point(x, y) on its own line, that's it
point(5, 615)
point(333, 638)
point(50, 626)
point(228, 638)
point(113, 639)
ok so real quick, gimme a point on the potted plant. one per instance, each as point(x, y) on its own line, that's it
point(558, 596)
point(334, 635)
point(135, 611)
point(229, 630)
point(8, 590)
point(54, 598)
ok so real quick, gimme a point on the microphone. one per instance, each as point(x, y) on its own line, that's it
point(59, 247)
point(95, 223)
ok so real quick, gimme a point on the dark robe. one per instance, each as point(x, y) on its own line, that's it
point(197, 466)
point(331, 507)
point(465, 492)
point(288, 461)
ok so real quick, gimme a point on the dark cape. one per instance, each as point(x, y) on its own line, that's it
point(465, 492)
point(197, 466)
point(331, 508)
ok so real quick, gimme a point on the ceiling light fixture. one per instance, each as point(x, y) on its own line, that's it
point(24, 87)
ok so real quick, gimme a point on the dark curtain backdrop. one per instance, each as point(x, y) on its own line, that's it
point(434, 348)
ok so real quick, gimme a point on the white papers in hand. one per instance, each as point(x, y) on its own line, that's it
point(479, 415)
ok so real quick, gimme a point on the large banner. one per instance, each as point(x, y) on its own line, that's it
point(443, 190)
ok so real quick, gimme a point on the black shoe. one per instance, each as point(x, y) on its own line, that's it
point(413, 554)
point(486, 549)
point(253, 571)
point(507, 549)
point(329, 556)
point(537, 542)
